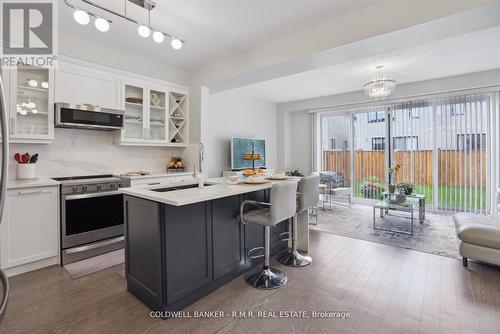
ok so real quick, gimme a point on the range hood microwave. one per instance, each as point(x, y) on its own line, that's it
point(86, 116)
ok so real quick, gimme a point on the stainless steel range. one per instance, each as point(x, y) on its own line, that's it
point(91, 215)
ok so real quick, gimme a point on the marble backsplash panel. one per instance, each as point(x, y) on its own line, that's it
point(82, 152)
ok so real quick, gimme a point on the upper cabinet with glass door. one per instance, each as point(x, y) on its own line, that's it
point(31, 104)
point(154, 116)
point(135, 114)
point(158, 116)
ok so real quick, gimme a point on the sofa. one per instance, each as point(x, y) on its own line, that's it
point(479, 237)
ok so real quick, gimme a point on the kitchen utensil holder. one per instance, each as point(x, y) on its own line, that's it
point(27, 171)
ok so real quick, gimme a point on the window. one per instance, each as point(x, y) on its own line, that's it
point(405, 143)
point(376, 116)
point(478, 141)
point(346, 145)
point(456, 110)
point(378, 144)
point(332, 143)
point(414, 113)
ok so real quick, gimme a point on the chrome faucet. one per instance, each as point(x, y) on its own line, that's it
point(199, 175)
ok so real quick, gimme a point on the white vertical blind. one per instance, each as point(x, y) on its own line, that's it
point(462, 124)
point(444, 146)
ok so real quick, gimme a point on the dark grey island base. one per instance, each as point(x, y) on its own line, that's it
point(176, 255)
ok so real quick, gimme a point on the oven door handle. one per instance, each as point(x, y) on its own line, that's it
point(83, 196)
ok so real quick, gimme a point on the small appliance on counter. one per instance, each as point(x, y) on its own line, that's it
point(92, 221)
point(26, 165)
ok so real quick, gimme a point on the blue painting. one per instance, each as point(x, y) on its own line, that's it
point(239, 146)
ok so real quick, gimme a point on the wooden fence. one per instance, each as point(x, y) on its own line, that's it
point(455, 168)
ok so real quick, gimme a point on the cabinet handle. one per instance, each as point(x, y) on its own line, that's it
point(29, 192)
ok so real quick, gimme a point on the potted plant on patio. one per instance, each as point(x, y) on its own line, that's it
point(405, 187)
point(371, 187)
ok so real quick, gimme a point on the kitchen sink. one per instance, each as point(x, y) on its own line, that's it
point(187, 186)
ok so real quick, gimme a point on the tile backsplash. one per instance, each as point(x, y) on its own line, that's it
point(80, 152)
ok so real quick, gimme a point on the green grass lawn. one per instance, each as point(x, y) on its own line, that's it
point(449, 197)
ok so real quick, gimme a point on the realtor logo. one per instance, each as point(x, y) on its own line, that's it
point(28, 33)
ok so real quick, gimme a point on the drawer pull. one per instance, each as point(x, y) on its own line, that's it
point(29, 192)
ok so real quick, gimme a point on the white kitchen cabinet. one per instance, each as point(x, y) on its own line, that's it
point(30, 104)
point(154, 116)
point(84, 85)
point(30, 228)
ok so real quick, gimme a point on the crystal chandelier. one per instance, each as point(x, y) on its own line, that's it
point(381, 85)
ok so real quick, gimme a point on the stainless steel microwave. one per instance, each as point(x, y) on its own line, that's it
point(86, 116)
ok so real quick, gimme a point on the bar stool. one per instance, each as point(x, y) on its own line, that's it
point(282, 206)
point(308, 196)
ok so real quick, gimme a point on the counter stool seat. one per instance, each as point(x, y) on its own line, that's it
point(282, 206)
point(307, 197)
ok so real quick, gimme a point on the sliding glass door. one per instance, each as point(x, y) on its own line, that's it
point(462, 152)
point(412, 140)
point(442, 146)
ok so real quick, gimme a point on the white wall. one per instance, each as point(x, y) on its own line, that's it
point(231, 114)
point(301, 144)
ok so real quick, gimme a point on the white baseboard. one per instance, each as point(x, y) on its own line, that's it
point(24, 268)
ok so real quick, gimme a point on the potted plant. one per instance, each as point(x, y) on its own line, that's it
point(405, 187)
point(392, 175)
point(371, 187)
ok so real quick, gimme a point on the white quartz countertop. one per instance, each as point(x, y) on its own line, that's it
point(218, 189)
point(31, 183)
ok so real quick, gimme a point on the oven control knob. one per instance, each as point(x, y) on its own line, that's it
point(114, 185)
point(75, 189)
point(99, 186)
point(84, 188)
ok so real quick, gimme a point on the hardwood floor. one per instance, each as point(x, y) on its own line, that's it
point(386, 290)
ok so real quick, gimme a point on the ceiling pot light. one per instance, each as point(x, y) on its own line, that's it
point(158, 36)
point(176, 43)
point(81, 17)
point(381, 85)
point(101, 24)
point(144, 31)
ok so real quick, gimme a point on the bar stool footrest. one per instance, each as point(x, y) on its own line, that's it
point(285, 236)
point(253, 253)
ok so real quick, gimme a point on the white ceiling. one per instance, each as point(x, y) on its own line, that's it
point(468, 53)
point(211, 28)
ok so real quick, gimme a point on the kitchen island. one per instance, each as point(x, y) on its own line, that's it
point(183, 242)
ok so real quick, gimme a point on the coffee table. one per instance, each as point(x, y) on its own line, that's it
point(421, 199)
point(410, 205)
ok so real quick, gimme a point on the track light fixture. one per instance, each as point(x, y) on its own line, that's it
point(144, 30)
